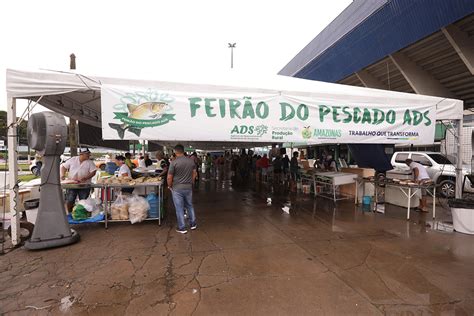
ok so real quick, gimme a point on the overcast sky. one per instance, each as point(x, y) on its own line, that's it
point(158, 39)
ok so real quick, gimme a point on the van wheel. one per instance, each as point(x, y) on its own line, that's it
point(447, 188)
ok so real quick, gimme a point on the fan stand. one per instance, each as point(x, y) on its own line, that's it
point(51, 227)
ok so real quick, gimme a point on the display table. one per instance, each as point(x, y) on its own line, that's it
point(332, 180)
point(107, 187)
point(408, 191)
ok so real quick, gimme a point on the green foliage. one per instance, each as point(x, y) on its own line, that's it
point(22, 138)
point(26, 177)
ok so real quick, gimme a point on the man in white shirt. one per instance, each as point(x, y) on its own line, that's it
point(420, 176)
point(141, 162)
point(80, 169)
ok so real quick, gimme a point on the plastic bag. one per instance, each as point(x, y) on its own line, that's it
point(90, 204)
point(79, 212)
point(119, 209)
point(137, 209)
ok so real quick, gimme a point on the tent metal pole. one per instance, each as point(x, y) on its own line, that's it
point(28, 110)
point(13, 169)
point(459, 176)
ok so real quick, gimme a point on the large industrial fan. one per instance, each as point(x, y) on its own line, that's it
point(47, 133)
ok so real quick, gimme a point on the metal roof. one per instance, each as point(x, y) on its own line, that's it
point(352, 16)
point(392, 26)
point(408, 28)
point(437, 57)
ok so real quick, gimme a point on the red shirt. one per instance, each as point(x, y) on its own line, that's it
point(264, 162)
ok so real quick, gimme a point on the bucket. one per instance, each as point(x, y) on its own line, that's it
point(31, 204)
point(31, 215)
point(366, 200)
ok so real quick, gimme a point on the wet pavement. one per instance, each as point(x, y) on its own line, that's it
point(250, 257)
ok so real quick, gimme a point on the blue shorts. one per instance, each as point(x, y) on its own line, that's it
point(72, 194)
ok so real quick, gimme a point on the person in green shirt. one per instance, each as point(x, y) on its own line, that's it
point(128, 161)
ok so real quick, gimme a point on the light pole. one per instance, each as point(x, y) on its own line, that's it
point(232, 46)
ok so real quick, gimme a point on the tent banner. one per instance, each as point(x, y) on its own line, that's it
point(246, 115)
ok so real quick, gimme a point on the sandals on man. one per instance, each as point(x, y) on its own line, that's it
point(421, 210)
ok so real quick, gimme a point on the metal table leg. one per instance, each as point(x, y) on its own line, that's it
point(376, 194)
point(356, 198)
point(314, 183)
point(160, 201)
point(409, 201)
point(106, 200)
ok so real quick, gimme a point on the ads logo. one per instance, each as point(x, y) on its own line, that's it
point(258, 130)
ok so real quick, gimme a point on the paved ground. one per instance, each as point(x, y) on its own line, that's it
point(250, 258)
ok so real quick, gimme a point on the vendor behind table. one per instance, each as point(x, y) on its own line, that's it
point(421, 177)
point(124, 171)
point(80, 169)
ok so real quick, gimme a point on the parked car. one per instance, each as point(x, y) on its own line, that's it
point(35, 166)
point(37, 163)
point(439, 168)
point(100, 163)
point(65, 157)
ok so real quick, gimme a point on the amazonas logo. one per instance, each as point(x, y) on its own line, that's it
point(142, 113)
point(307, 133)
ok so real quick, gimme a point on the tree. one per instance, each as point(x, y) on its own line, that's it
point(22, 129)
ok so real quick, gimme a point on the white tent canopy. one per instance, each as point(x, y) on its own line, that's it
point(78, 96)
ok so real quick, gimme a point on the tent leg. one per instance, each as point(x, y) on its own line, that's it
point(459, 175)
point(13, 170)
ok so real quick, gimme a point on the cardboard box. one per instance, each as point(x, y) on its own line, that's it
point(361, 172)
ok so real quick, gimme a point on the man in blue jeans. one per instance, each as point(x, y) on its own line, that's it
point(181, 176)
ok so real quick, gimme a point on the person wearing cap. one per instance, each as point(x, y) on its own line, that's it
point(420, 176)
point(80, 169)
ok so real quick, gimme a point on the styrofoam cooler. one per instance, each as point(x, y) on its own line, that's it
point(395, 196)
point(463, 215)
